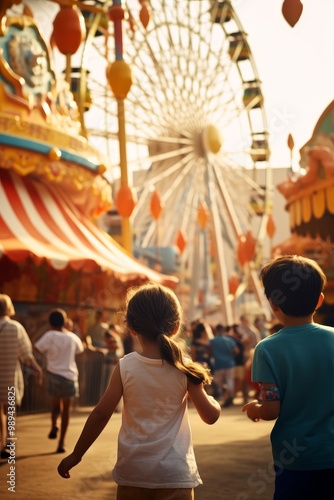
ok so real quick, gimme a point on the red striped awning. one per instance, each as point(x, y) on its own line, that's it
point(37, 222)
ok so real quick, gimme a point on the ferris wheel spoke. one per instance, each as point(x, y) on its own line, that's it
point(160, 71)
point(153, 178)
point(185, 203)
point(179, 179)
point(166, 117)
point(167, 197)
point(228, 204)
point(171, 154)
point(173, 199)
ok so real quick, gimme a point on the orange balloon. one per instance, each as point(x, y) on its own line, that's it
point(125, 201)
point(271, 226)
point(145, 15)
point(233, 283)
point(241, 250)
point(202, 215)
point(250, 245)
point(181, 241)
point(156, 205)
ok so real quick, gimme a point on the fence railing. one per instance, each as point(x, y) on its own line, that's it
point(94, 374)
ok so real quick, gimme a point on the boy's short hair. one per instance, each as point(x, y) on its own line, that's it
point(57, 318)
point(293, 283)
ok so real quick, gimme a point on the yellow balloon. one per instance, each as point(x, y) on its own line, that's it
point(119, 76)
point(212, 139)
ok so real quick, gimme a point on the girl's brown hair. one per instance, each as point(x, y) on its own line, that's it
point(155, 312)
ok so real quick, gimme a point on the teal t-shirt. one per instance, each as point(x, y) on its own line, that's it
point(222, 350)
point(300, 360)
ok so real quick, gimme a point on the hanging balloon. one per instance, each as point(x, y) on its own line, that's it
point(119, 77)
point(144, 14)
point(125, 201)
point(292, 10)
point(291, 142)
point(233, 283)
point(69, 30)
point(181, 241)
point(250, 245)
point(156, 205)
point(241, 250)
point(271, 226)
point(202, 215)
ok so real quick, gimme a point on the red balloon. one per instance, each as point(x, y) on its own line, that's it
point(292, 10)
point(68, 30)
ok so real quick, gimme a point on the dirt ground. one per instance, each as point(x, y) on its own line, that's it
point(233, 456)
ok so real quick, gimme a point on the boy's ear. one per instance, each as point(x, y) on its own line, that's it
point(135, 334)
point(272, 304)
point(320, 300)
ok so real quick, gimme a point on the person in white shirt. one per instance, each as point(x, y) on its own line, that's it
point(155, 451)
point(60, 348)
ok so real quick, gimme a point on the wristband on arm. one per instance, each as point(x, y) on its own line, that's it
point(270, 393)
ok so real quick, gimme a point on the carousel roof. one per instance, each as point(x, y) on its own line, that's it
point(37, 222)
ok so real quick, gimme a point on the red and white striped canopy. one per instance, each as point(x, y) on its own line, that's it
point(38, 222)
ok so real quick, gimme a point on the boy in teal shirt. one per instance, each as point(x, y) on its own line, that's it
point(295, 368)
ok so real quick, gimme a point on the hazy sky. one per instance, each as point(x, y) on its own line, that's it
point(295, 65)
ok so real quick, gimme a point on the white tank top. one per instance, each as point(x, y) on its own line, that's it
point(154, 444)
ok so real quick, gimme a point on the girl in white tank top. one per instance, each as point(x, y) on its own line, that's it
point(155, 452)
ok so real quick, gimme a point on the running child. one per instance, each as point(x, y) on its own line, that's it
point(155, 452)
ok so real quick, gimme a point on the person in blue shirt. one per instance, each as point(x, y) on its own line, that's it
point(223, 349)
point(295, 368)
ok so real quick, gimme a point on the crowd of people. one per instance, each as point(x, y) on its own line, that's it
point(157, 365)
point(224, 350)
point(228, 350)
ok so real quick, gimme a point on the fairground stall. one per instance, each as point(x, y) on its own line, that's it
point(309, 194)
point(52, 192)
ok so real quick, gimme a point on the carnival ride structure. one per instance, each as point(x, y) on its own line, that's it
point(197, 144)
point(52, 188)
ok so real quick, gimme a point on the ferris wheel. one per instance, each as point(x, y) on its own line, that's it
point(197, 138)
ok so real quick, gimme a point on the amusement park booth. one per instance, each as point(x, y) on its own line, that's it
point(52, 192)
point(309, 195)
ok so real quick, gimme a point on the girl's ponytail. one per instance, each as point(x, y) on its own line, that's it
point(172, 352)
point(154, 312)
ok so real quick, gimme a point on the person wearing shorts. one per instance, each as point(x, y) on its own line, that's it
point(60, 348)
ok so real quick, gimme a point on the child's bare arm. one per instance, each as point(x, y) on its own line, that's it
point(95, 423)
point(207, 407)
point(270, 407)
